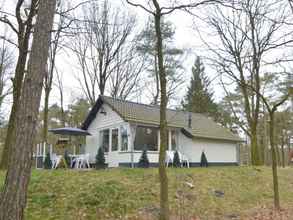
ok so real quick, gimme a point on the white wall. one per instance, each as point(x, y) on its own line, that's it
point(125, 157)
point(110, 120)
point(216, 151)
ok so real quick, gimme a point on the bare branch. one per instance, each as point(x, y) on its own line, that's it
point(9, 41)
point(5, 20)
point(169, 10)
point(140, 6)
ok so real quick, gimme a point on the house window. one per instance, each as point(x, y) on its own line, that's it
point(124, 138)
point(174, 140)
point(115, 139)
point(146, 138)
point(104, 139)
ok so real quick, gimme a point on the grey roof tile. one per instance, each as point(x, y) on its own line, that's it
point(201, 125)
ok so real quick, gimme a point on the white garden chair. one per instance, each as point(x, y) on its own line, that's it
point(82, 160)
point(75, 161)
point(86, 160)
point(169, 157)
point(55, 160)
point(183, 159)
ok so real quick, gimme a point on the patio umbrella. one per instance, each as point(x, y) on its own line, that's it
point(70, 131)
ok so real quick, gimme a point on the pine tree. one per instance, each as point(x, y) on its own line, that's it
point(199, 97)
point(176, 160)
point(48, 162)
point(100, 159)
point(144, 161)
point(203, 160)
point(172, 56)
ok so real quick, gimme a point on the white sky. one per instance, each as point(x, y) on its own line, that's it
point(185, 37)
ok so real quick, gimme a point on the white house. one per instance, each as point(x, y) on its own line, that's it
point(126, 128)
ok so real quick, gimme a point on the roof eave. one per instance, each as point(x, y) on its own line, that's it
point(189, 134)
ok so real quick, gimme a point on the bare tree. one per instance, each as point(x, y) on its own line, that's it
point(6, 65)
point(25, 18)
point(62, 29)
point(272, 108)
point(13, 197)
point(158, 11)
point(126, 76)
point(49, 76)
point(63, 24)
point(250, 35)
point(101, 34)
point(272, 102)
point(247, 32)
point(59, 85)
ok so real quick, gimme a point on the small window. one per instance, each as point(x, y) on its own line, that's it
point(104, 139)
point(124, 138)
point(115, 139)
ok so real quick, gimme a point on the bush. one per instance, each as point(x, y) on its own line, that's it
point(67, 158)
point(176, 160)
point(203, 160)
point(144, 160)
point(48, 162)
point(100, 159)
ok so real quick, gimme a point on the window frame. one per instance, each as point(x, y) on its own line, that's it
point(117, 147)
point(125, 128)
point(101, 141)
point(157, 137)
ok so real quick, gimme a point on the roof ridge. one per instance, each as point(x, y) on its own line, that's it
point(149, 105)
point(121, 100)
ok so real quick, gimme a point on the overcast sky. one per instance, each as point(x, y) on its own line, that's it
point(185, 37)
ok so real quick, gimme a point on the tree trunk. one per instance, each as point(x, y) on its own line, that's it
point(60, 87)
point(46, 114)
point(63, 118)
point(49, 81)
point(17, 85)
point(274, 163)
point(289, 151)
point(164, 202)
point(13, 197)
point(283, 156)
point(23, 36)
point(156, 97)
point(255, 152)
point(283, 150)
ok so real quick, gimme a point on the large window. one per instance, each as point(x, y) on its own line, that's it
point(104, 139)
point(124, 138)
point(146, 138)
point(115, 139)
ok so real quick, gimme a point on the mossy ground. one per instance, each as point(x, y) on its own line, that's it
point(133, 193)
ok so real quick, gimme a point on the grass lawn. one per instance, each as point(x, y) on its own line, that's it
point(133, 193)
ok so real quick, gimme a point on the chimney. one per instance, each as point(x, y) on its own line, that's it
point(189, 120)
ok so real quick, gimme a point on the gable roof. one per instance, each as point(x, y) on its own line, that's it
point(201, 126)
